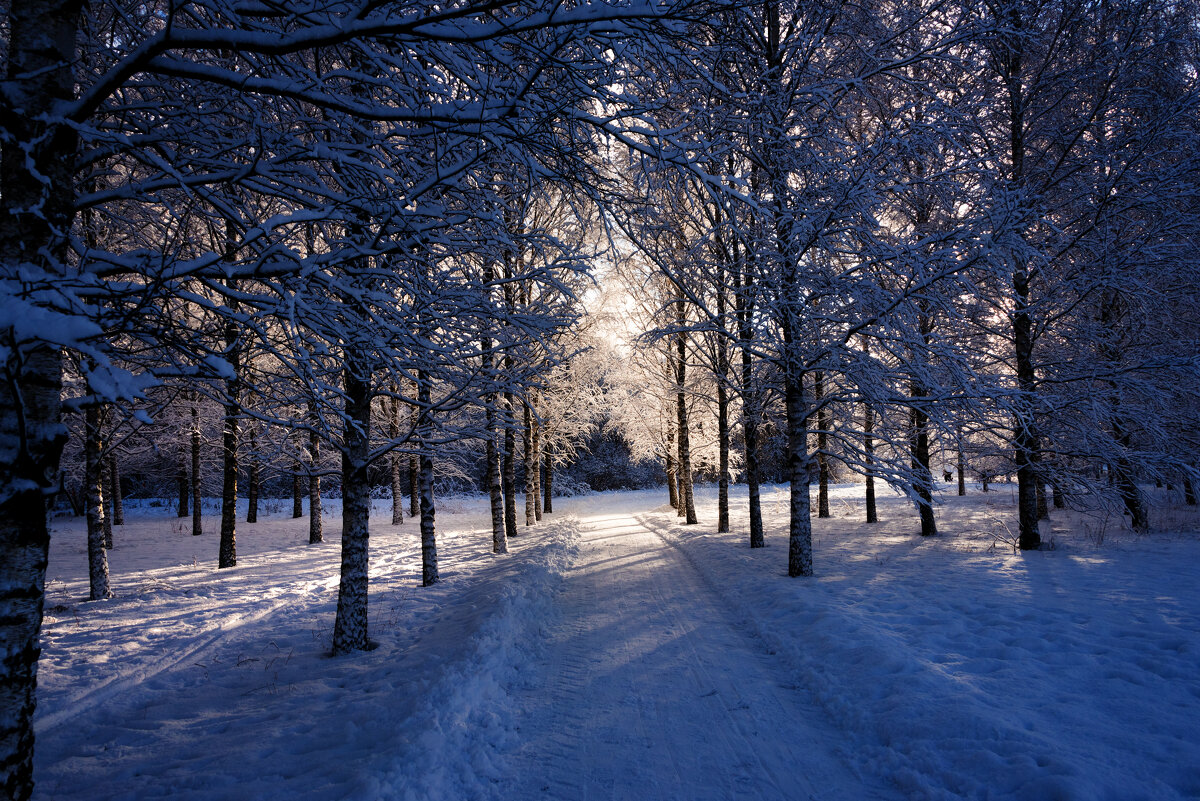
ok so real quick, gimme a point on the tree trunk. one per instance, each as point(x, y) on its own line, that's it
point(93, 446)
point(429, 561)
point(181, 486)
point(37, 164)
point(350, 625)
point(316, 525)
point(548, 484)
point(509, 468)
point(961, 463)
point(196, 510)
point(1060, 500)
point(537, 462)
point(1126, 481)
point(1043, 509)
point(494, 482)
point(530, 465)
point(106, 503)
point(29, 457)
point(822, 445)
point(114, 484)
point(800, 557)
point(229, 454)
point(922, 475)
point(723, 456)
point(396, 467)
point(252, 479)
point(742, 309)
point(414, 468)
point(297, 493)
point(869, 450)
point(672, 471)
point(493, 478)
point(685, 446)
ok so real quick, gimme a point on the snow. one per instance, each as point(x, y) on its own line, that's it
point(617, 653)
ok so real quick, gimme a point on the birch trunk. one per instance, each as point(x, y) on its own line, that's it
point(114, 492)
point(548, 484)
point(252, 479)
point(414, 468)
point(197, 530)
point(743, 307)
point(93, 446)
point(509, 468)
point(316, 527)
point(106, 505)
point(229, 454)
point(869, 458)
point(36, 209)
point(429, 560)
point(530, 465)
point(800, 557)
point(397, 469)
point(688, 505)
point(350, 625)
point(822, 445)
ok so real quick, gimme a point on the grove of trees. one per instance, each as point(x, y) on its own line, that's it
point(260, 248)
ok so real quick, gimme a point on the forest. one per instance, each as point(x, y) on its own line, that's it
point(280, 257)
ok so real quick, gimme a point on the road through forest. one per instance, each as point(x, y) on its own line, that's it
point(652, 690)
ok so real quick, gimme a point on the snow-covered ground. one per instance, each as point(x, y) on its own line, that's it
point(618, 654)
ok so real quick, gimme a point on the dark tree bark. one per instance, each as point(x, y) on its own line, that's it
point(869, 456)
point(114, 492)
point(429, 560)
point(414, 470)
point(1189, 491)
point(1060, 500)
point(537, 462)
point(919, 435)
point(961, 463)
point(822, 445)
point(530, 464)
point(297, 493)
point(722, 369)
point(252, 478)
point(1043, 509)
point(229, 452)
point(106, 504)
point(350, 625)
point(509, 467)
point(548, 484)
point(672, 471)
point(394, 463)
point(722, 457)
point(800, 559)
point(493, 478)
point(181, 486)
point(93, 446)
point(743, 310)
point(316, 527)
point(922, 475)
point(685, 447)
point(197, 530)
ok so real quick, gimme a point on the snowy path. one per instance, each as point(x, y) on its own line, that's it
point(652, 691)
